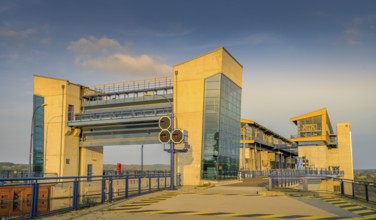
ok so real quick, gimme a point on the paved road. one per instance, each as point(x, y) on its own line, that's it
point(224, 202)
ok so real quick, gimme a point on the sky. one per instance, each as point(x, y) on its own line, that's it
point(297, 57)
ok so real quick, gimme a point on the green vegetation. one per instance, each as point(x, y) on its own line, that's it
point(126, 167)
point(13, 166)
point(365, 175)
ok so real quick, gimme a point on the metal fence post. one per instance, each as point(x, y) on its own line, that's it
point(34, 201)
point(126, 186)
point(110, 190)
point(103, 199)
point(353, 189)
point(75, 194)
point(139, 185)
point(165, 182)
point(158, 181)
point(366, 191)
point(342, 187)
point(149, 183)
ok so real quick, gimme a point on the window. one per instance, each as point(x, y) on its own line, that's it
point(89, 172)
point(70, 112)
point(221, 126)
point(38, 136)
point(310, 127)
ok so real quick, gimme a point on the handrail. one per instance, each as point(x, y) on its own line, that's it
point(359, 189)
point(76, 191)
point(153, 83)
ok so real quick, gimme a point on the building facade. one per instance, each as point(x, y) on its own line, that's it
point(74, 122)
point(207, 97)
point(78, 121)
point(262, 149)
point(322, 148)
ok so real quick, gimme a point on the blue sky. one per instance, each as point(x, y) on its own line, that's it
point(298, 56)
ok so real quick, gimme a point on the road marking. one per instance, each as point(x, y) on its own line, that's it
point(223, 214)
point(362, 211)
point(369, 217)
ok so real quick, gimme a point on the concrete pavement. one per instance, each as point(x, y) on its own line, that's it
point(224, 202)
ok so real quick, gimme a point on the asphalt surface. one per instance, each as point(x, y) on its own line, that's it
point(224, 202)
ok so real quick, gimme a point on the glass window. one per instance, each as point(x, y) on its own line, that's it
point(89, 172)
point(70, 112)
point(310, 127)
point(38, 136)
point(220, 151)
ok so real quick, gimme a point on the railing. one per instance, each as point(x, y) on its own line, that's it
point(14, 173)
point(252, 174)
point(305, 172)
point(147, 84)
point(122, 114)
point(292, 177)
point(22, 198)
point(362, 190)
point(286, 178)
point(4, 174)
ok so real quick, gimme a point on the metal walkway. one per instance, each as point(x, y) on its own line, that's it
point(121, 114)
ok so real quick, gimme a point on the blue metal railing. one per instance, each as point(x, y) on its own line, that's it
point(305, 173)
point(22, 198)
point(292, 177)
point(362, 190)
point(252, 174)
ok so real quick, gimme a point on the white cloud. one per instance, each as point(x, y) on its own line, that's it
point(123, 63)
point(94, 45)
point(17, 34)
point(109, 56)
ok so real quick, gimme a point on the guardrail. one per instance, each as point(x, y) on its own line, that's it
point(292, 177)
point(154, 83)
point(362, 190)
point(22, 198)
point(252, 174)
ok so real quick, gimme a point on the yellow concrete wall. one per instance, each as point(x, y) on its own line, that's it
point(58, 146)
point(333, 157)
point(94, 156)
point(247, 157)
point(322, 157)
point(345, 150)
point(62, 142)
point(189, 81)
point(317, 155)
point(71, 140)
point(265, 162)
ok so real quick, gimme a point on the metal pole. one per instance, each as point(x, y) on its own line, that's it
point(172, 168)
point(61, 130)
point(142, 157)
point(243, 157)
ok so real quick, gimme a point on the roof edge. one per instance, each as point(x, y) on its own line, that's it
point(321, 111)
point(220, 48)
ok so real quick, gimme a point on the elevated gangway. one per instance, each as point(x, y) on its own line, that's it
point(121, 113)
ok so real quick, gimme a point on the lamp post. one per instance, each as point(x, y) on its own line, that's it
point(31, 137)
point(172, 149)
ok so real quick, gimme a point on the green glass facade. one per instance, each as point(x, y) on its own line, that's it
point(220, 152)
point(310, 127)
point(38, 137)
